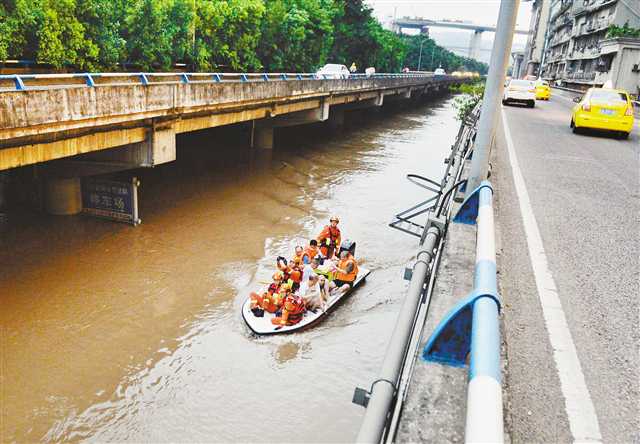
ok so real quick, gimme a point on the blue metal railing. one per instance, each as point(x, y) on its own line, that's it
point(472, 327)
point(21, 81)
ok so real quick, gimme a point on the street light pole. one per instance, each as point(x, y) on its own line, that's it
point(420, 58)
point(493, 92)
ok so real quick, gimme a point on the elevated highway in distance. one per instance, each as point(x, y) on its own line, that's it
point(474, 44)
point(124, 121)
point(419, 23)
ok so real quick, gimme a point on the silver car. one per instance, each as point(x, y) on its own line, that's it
point(333, 71)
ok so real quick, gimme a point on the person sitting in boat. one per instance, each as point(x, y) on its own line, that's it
point(267, 299)
point(292, 311)
point(346, 273)
point(329, 238)
point(315, 296)
point(291, 274)
point(278, 278)
point(310, 251)
point(310, 269)
point(298, 258)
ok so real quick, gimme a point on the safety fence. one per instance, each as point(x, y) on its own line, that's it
point(21, 82)
point(384, 399)
point(472, 328)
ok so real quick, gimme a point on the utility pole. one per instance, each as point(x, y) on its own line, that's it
point(493, 92)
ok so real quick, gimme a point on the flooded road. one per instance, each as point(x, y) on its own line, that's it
point(115, 333)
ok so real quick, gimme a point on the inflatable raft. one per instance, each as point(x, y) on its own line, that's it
point(263, 326)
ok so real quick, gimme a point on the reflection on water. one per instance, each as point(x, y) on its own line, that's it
point(115, 333)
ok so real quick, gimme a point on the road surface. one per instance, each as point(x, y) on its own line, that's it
point(583, 195)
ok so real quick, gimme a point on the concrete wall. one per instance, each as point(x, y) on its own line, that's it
point(43, 124)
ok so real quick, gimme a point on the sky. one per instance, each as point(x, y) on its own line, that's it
point(481, 12)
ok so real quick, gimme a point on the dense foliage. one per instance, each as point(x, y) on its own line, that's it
point(470, 95)
point(622, 31)
point(434, 56)
point(233, 35)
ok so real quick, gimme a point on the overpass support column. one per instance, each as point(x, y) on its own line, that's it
point(336, 119)
point(62, 196)
point(474, 45)
point(262, 136)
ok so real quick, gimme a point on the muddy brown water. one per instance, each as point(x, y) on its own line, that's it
point(114, 333)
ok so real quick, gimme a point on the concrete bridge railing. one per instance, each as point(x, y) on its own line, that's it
point(54, 116)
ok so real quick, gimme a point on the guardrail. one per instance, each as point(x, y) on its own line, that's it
point(472, 327)
point(22, 82)
point(387, 393)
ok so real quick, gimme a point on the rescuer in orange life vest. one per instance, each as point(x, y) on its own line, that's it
point(329, 238)
point(346, 272)
point(292, 311)
point(270, 300)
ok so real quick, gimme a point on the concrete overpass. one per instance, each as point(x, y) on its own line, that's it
point(474, 44)
point(126, 121)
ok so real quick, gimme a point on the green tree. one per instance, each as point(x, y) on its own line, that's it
point(228, 33)
point(434, 56)
point(181, 31)
point(103, 21)
point(148, 44)
point(61, 37)
point(359, 38)
point(19, 21)
point(297, 35)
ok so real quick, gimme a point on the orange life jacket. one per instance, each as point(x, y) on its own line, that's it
point(292, 311)
point(296, 275)
point(347, 277)
point(310, 252)
point(256, 300)
point(272, 302)
point(328, 239)
point(298, 260)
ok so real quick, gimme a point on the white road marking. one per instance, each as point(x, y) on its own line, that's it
point(583, 420)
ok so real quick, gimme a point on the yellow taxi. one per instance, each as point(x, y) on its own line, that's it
point(543, 90)
point(603, 109)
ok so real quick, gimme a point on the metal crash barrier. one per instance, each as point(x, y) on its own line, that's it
point(384, 400)
point(472, 327)
point(22, 82)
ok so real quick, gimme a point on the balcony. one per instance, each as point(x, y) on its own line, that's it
point(561, 22)
point(559, 40)
point(588, 76)
point(593, 5)
point(586, 53)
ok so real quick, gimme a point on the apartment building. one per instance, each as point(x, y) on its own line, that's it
point(533, 51)
point(577, 54)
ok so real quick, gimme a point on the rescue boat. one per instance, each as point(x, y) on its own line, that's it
point(263, 325)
